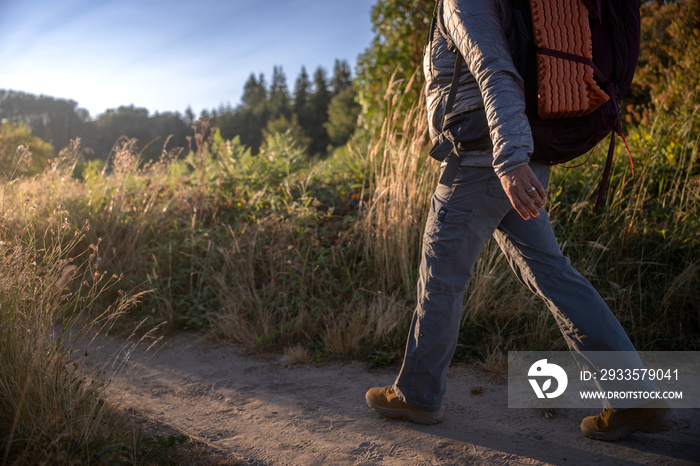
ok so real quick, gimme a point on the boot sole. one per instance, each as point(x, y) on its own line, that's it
point(661, 423)
point(426, 418)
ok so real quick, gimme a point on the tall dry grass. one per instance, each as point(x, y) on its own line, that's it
point(62, 290)
point(320, 257)
point(368, 270)
point(639, 249)
point(399, 181)
point(51, 402)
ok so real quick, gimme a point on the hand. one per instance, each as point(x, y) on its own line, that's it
point(518, 184)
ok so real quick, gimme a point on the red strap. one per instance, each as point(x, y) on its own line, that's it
point(629, 153)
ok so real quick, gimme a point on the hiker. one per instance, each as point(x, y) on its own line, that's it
point(498, 191)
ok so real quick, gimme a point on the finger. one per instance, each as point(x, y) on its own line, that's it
point(524, 213)
point(538, 195)
point(522, 210)
point(529, 204)
point(542, 193)
point(524, 190)
point(519, 200)
point(532, 198)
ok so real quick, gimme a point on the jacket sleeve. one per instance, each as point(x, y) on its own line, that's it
point(476, 29)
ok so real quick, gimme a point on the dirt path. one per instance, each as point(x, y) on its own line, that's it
point(268, 414)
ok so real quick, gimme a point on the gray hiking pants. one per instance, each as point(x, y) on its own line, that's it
point(462, 218)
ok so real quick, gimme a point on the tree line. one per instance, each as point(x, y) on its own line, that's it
point(321, 112)
point(58, 121)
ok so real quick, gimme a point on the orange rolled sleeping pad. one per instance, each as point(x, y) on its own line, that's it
point(565, 88)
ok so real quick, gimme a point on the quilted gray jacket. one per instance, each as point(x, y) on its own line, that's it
point(490, 82)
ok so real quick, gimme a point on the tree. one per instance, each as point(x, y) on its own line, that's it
point(668, 70)
point(279, 101)
point(134, 122)
point(245, 123)
point(254, 94)
point(291, 127)
point(252, 115)
point(343, 112)
point(318, 113)
point(400, 27)
point(342, 77)
point(302, 91)
point(16, 162)
point(55, 120)
point(189, 116)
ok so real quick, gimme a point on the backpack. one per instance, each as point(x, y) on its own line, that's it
point(614, 36)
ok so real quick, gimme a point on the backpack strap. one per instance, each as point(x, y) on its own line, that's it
point(453, 159)
point(440, 23)
point(445, 148)
point(433, 24)
point(608, 165)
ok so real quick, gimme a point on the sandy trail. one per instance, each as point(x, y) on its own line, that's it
point(267, 414)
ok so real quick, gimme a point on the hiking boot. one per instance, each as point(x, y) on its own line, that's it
point(613, 425)
point(386, 402)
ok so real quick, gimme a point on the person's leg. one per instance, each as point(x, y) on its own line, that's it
point(584, 318)
point(534, 255)
point(461, 220)
point(592, 332)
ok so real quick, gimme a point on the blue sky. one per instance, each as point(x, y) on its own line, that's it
point(166, 55)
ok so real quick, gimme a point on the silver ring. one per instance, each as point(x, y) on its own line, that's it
point(531, 190)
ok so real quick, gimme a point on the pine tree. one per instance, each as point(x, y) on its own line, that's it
point(302, 90)
point(254, 94)
point(253, 114)
point(189, 116)
point(319, 101)
point(342, 77)
point(400, 28)
point(279, 101)
point(342, 117)
point(321, 96)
